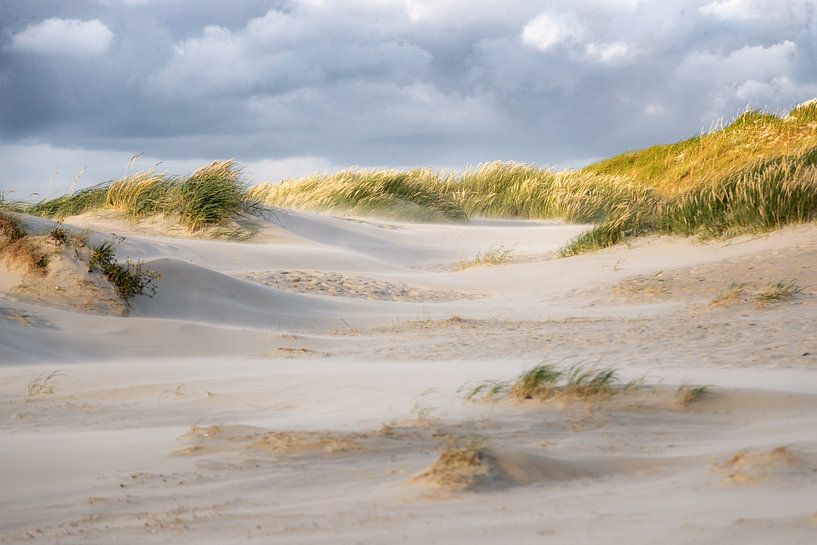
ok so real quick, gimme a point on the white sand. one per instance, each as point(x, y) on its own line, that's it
point(226, 410)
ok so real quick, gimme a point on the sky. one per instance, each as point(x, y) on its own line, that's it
point(292, 87)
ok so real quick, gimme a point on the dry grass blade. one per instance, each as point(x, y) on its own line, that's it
point(778, 293)
point(495, 255)
point(686, 394)
point(733, 294)
point(44, 385)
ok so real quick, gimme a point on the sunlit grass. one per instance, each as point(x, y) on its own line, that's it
point(206, 197)
point(753, 136)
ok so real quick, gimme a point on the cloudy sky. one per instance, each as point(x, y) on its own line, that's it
point(296, 86)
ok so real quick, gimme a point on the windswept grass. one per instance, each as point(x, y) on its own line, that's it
point(778, 293)
point(752, 137)
point(755, 174)
point(687, 394)
point(547, 381)
point(44, 384)
point(417, 194)
point(495, 255)
point(730, 296)
point(760, 197)
point(206, 197)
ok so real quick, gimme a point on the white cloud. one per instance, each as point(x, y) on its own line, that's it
point(612, 54)
point(731, 9)
point(64, 37)
point(744, 64)
point(279, 52)
point(548, 31)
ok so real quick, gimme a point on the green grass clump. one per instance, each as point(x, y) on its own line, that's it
point(547, 381)
point(206, 197)
point(71, 205)
point(209, 196)
point(129, 278)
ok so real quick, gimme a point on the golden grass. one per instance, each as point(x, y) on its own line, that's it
point(18, 248)
point(411, 195)
point(751, 137)
point(207, 197)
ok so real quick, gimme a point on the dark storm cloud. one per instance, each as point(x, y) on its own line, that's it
point(392, 82)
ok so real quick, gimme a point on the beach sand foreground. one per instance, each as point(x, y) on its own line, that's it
point(309, 386)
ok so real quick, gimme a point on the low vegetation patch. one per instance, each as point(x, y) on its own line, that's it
point(129, 278)
point(548, 381)
point(687, 394)
point(778, 293)
point(733, 294)
point(495, 255)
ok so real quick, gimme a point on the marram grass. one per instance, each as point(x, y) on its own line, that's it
point(755, 174)
point(417, 194)
point(206, 197)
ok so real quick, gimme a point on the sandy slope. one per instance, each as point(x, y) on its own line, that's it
point(297, 389)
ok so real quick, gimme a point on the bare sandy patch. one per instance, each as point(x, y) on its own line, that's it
point(348, 285)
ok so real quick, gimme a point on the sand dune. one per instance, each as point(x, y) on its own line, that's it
point(307, 386)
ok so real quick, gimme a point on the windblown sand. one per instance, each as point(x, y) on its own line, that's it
point(307, 386)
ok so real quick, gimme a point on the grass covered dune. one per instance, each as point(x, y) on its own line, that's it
point(757, 173)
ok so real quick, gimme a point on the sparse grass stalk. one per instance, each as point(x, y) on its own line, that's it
point(779, 292)
point(731, 295)
point(44, 384)
point(495, 255)
point(686, 394)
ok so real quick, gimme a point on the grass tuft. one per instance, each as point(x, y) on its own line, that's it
point(129, 278)
point(547, 381)
point(44, 384)
point(207, 197)
point(687, 394)
point(495, 255)
point(778, 293)
point(733, 294)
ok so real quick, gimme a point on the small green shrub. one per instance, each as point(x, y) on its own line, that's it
point(129, 278)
